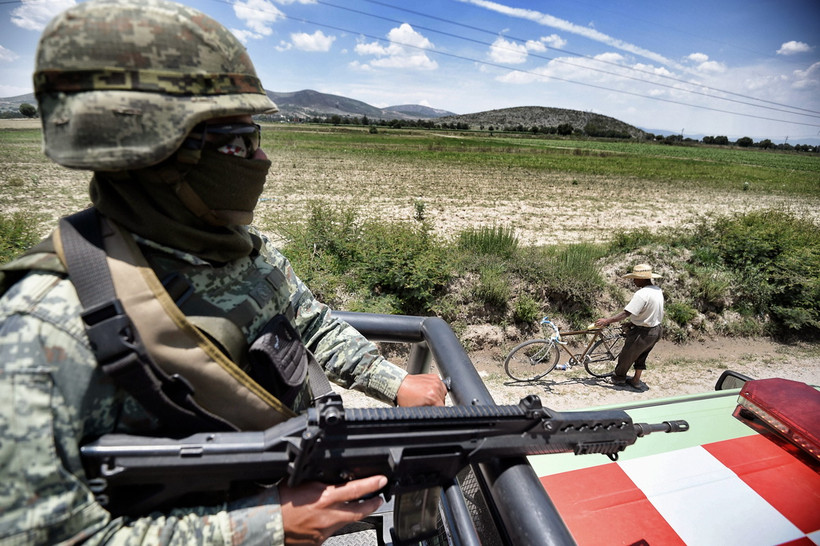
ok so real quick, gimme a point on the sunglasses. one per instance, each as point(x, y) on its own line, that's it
point(240, 139)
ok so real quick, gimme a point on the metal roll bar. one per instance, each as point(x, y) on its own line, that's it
point(523, 512)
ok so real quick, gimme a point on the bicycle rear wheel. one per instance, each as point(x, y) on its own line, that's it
point(601, 356)
point(531, 360)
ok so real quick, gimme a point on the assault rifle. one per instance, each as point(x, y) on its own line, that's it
point(416, 448)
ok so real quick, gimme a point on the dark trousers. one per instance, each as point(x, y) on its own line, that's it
point(639, 342)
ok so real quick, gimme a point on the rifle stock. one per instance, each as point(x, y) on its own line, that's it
point(416, 448)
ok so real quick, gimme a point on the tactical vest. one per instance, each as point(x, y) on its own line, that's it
point(184, 372)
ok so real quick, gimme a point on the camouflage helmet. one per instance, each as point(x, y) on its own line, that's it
point(120, 83)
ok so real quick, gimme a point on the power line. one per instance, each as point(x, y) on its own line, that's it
point(505, 67)
point(575, 54)
point(538, 74)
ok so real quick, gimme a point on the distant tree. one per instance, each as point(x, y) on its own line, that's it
point(565, 129)
point(335, 119)
point(722, 140)
point(365, 121)
point(28, 110)
point(765, 144)
point(744, 142)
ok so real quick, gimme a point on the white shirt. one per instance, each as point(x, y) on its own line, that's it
point(646, 306)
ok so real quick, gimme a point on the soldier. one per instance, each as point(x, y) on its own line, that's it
point(156, 99)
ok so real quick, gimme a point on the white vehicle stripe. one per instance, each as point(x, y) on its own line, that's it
point(705, 502)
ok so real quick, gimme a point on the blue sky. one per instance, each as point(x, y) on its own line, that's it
point(712, 67)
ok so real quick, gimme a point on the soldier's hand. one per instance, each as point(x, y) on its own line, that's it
point(313, 511)
point(421, 390)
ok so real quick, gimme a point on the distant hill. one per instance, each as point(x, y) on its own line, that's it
point(417, 111)
point(309, 103)
point(540, 116)
point(13, 103)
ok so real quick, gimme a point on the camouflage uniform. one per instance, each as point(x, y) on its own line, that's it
point(55, 396)
point(116, 114)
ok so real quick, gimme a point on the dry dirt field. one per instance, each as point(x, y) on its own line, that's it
point(541, 207)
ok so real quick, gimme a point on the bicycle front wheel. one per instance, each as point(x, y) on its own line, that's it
point(531, 360)
point(601, 356)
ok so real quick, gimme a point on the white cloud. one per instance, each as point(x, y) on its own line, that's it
point(805, 79)
point(566, 26)
point(7, 55)
point(258, 15)
point(698, 57)
point(704, 65)
point(535, 45)
point(405, 50)
point(312, 42)
point(793, 48)
point(34, 14)
point(356, 65)
point(284, 46)
point(509, 52)
point(504, 51)
point(713, 67)
point(553, 40)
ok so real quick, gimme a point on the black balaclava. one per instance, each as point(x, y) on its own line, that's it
point(199, 208)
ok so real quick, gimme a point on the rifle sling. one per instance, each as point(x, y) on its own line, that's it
point(189, 383)
point(114, 339)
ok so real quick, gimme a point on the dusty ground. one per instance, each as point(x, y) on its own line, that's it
point(673, 369)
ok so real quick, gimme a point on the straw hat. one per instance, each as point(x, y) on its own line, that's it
point(642, 271)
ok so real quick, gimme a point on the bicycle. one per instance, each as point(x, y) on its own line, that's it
point(533, 359)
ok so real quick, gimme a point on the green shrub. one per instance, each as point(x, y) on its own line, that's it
point(628, 240)
point(679, 312)
point(403, 260)
point(18, 233)
point(774, 257)
point(526, 309)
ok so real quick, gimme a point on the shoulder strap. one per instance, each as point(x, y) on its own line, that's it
point(114, 339)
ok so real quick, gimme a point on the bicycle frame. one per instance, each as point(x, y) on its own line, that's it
point(574, 359)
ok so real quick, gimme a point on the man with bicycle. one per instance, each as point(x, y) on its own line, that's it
point(645, 314)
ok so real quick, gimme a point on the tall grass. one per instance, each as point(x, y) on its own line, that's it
point(499, 241)
point(18, 232)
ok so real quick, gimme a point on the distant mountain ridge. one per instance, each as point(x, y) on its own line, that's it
point(542, 116)
point(308, 103)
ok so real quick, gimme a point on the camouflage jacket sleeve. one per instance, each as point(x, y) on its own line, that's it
point(348, 358)
point(54, 395)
